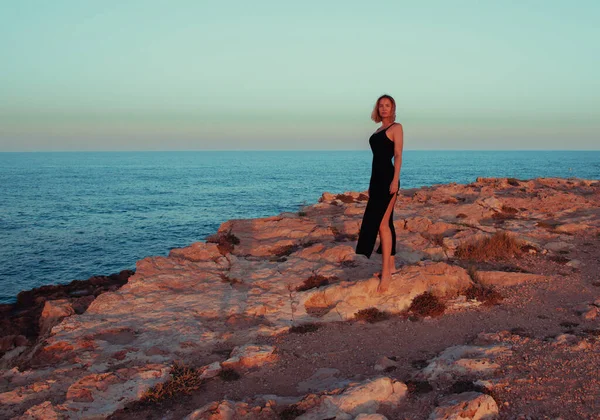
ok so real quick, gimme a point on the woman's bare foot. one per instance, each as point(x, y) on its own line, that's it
point(384, 284)
point(378, 273)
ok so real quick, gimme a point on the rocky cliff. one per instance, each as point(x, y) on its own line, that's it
point(495, 305)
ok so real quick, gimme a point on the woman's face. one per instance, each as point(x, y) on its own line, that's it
point(385, 108)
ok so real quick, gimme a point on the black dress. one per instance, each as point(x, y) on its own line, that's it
point(382, 174)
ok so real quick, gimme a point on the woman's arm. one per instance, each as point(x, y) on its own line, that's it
point(397, 135)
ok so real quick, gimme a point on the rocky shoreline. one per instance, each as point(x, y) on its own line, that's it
point(496, 302)
point(38, 309)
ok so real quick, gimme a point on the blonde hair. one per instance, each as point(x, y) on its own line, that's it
point(375, 114)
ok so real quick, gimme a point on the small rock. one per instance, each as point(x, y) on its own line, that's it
point(323, 379)
point(370, 417)
point(250, 355)
point(54, 311)
point(565, 339)
point(574, 264)
point(468, 405)
point(385, 362)
point(591, 314)
point(210, 371)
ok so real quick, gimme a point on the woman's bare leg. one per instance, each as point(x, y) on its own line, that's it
point(385, 236)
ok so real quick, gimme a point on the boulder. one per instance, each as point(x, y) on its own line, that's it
point(468, 405)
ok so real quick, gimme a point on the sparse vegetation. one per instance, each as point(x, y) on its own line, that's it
point(285, 251)
point(418, 387)
point(349, 264)
point(434, 238)
point(559, 259)
point(488, 296)
point(183, 380)
point(305, 328)
point(316, 280)
point(466, 386)
point(427, 304)
point(509, 210)
point(547, 225)
point(230, 280)
point(513, 181)
point(229, 375)
point(501, 217)
point(225, 242)
point(521, 331)
point(499, 246)
point(419, 363)
point(592, 332)
point(472, 272)
point(291, 412)
point(371, 315)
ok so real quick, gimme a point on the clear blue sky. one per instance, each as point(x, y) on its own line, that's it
point(182, 75)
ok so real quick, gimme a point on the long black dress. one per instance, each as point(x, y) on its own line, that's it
point(382, 174)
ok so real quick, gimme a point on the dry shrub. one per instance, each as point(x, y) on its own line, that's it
point(521, 332)
point(466, 386)
point(418, 387)
point(315, 281)
point(499, 246)
point(559, 259)
point(472, 272)
point(434, 238)
point(231, 280)
point(225, 242)
point(349, 264)
point(486, 295)
point(592, 332)
point(371, 315)
point(419, 363)
point(183, 380)
point(286, 250)
point(229, 375)
point(509, 210)
point(305, 328)
point(427, 304)
point(547, 225)
point(291, 412)
point(461, 216)
point(503, 216)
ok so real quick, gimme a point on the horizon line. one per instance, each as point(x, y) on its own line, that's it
point(294, 150)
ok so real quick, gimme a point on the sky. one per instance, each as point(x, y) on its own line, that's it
point(304, 75)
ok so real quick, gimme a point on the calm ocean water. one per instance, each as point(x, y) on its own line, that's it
point(66, 216)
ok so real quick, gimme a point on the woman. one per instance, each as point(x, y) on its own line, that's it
point(385, 143)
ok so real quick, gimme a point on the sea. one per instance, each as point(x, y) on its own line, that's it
point(72, 215)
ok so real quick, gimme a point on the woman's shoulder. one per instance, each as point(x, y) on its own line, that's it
point(396, 127)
